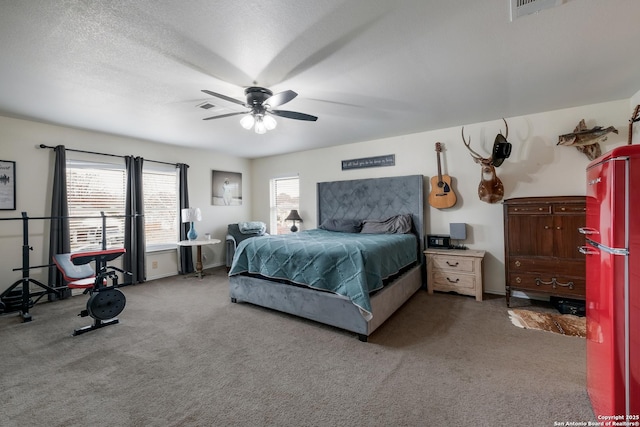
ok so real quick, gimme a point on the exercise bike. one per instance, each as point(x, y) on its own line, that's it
point(105, 301)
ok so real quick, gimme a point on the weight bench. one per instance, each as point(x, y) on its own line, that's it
point(105, 302)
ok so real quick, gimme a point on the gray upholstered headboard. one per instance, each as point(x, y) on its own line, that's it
point(374, 198)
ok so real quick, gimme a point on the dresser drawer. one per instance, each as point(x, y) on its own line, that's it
point(529, 209)
point(569, 208)
point(450, 281)
point(449, 263)
point(549, 266)
point(547, 283)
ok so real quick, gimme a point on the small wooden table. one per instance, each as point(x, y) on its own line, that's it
point(198, 243)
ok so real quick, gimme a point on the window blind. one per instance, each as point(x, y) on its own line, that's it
point(99, 187)
point(89, 192)
point(285, 197)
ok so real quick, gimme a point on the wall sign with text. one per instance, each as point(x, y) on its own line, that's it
point(369, 162)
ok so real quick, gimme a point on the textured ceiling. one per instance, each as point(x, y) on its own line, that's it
point(367, 68)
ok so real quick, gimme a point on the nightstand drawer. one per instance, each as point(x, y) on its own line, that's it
point(461, 264)
point(450, 281)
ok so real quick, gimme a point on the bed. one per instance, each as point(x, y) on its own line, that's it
point(357, 301)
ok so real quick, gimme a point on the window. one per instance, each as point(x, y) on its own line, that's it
point(160, 206)
point(93, 188)
point(285, 196)
point(100, 187)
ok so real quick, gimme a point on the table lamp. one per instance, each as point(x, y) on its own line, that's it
point(190, 215)
point(293, 216)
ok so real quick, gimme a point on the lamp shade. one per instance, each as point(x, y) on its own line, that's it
point(191, 214)
point(269, 122)
point(247, 121)
point(293, 216)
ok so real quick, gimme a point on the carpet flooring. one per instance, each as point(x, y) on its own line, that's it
point(184, 355)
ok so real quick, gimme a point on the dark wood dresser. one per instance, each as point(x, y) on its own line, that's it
point(542, 241)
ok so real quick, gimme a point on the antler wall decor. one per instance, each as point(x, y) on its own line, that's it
point(491, 189)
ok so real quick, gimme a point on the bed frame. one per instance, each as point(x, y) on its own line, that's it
point(372, 198)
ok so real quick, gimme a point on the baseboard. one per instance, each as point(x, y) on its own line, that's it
point(161, 276)
point(216, 265)
point(520, 294)
point(537, 297)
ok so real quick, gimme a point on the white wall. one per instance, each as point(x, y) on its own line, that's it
point(34, 166)
point(537, 167)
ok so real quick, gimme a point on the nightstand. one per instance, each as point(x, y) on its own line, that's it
point(455, 270)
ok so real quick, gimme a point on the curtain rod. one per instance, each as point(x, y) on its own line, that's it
point(106, 154)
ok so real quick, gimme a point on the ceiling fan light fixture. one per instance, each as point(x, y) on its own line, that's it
point(261, 102)
point(260, 127)
point(269, 122)
point(247, 121)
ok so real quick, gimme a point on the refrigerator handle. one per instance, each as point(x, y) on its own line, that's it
point(586, 250)
point(587, 230)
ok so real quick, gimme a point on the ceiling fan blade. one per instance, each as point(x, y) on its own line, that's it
point(226, 115)
point(294, 115)
point(280, 98)
point(226, 98)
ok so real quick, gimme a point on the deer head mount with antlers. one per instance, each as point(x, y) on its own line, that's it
point(490, 189)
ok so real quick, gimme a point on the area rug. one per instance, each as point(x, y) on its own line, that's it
point(565, 324)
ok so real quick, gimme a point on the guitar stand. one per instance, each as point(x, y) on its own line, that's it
point(105, 302)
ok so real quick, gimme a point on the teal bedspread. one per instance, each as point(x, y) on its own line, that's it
point(349, 264)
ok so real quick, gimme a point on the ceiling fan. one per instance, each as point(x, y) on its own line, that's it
point(261, 103)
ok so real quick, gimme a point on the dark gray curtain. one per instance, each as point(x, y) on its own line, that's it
point(59, 240)
point(185, 261)
point(134, 240)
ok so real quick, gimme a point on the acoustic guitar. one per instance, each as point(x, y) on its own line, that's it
point(442, 195)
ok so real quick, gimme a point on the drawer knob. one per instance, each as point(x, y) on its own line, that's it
point(453, 281)
point(452, 265)
point(518, 263)
point(518, 280)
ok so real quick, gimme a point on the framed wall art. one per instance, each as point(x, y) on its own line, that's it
point(226, 188)
point(7, 185)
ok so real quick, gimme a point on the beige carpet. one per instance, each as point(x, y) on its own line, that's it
point(564, 324)
point(184, 355)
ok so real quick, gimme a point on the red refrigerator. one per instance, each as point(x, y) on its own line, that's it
point(612, 235)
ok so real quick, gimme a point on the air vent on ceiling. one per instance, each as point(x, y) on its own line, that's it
point(206, 105)
point(520, 8)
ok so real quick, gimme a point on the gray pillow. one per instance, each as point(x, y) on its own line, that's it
point(342, 225)
point(398, 224)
